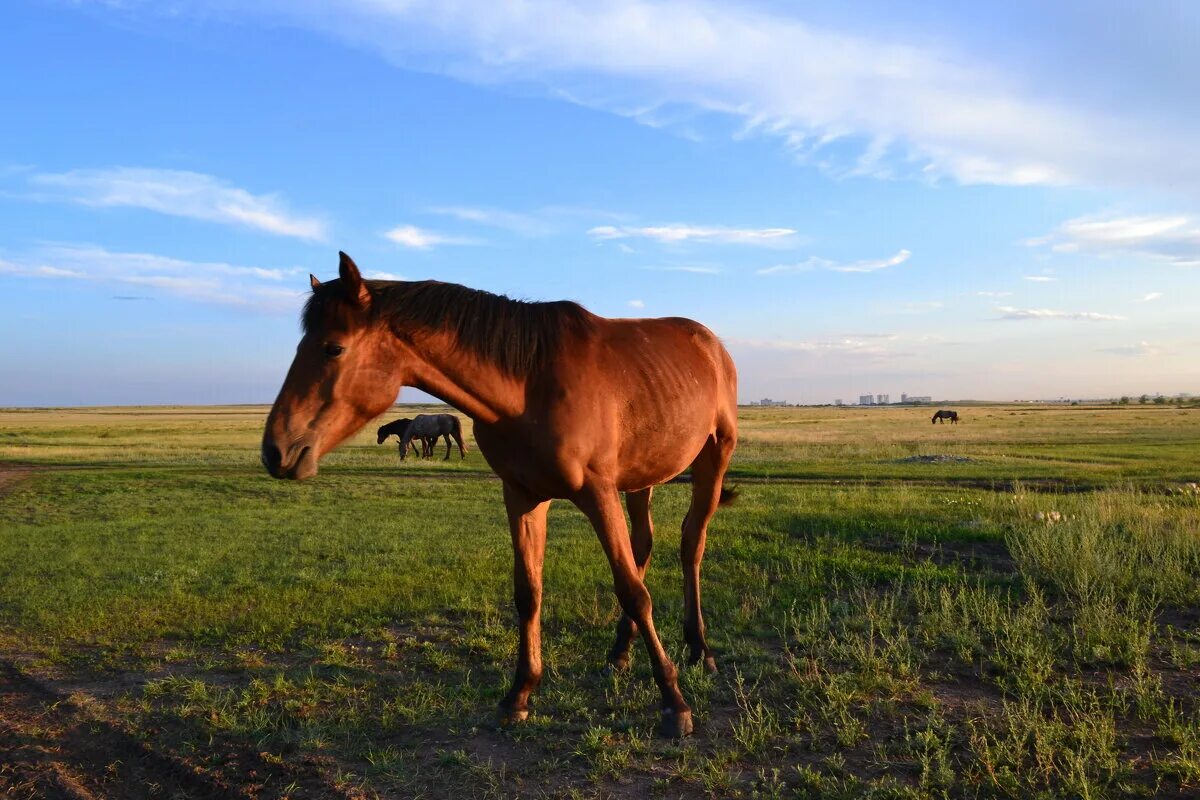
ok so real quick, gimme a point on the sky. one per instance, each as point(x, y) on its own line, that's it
point(986, 201)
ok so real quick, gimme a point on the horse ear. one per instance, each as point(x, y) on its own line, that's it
point(351, 278)
point(312, 280)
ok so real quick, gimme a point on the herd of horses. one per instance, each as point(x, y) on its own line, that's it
point(559, 398)
point(425, 428)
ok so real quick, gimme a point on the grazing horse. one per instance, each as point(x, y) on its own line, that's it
point(399, 428)
point(560, 399)
point(428, 427)
point(943, 415)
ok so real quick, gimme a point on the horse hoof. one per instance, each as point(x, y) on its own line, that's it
point(513, 717)
point(676, 724)
point(620, 664)
point(710, 665)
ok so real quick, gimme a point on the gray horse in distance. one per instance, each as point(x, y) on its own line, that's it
point(433, 426)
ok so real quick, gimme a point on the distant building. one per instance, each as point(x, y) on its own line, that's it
point(915, 398)
point(882, 399)
point(766, 401)
point(838, 402)
point(866, 399)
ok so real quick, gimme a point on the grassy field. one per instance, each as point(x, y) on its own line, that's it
point(1003, 608)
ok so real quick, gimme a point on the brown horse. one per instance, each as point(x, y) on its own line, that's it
point(561, 401)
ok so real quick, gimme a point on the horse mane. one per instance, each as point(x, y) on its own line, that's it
point(514, 335)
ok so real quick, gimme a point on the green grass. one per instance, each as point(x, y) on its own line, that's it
point(1018, 624)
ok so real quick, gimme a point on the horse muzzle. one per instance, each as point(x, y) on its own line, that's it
point(296, 463)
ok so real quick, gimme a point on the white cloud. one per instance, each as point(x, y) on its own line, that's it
point(420, 239)
point(382, 276)
point(1039, 278)
point(674, 234)
point(993, 294)
point(919, 107)
point(204, 281)
point(814, 263)
point(178, 193)
point(1141, 349)
point(636, 304)
point(1008, 312)
point(1173, 238)
point(1150, 297)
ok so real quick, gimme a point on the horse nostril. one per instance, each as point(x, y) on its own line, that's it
point(272, 458)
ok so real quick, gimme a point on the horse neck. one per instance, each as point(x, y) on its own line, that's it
point(457, 376)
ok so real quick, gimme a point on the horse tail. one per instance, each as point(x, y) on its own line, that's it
point(729, 496)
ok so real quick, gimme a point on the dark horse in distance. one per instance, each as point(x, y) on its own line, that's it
point(943, 415)
point(560, 399)
point(399, 428)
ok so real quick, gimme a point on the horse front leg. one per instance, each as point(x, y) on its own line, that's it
point(602, 505)
point(527, 524)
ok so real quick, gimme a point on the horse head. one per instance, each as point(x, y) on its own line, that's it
point(398, 427)
point(348, 370)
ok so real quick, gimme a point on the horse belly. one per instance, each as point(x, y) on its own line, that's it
point(660, 464)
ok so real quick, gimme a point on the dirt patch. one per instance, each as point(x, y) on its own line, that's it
point(985, 556)
point(55, 746)
point(51, 747)
point(936, 458)
point(13, 474)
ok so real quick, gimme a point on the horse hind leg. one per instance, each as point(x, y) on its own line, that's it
point(708, 475)
point(602, 505)
point(641, 537)
point(456, 432)
point(446, 436)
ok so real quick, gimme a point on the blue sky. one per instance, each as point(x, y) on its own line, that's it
point(920, 197)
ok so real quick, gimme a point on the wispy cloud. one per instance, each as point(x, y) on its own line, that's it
point(1149, 297)
point(420, 239)
point(636, 304)
point(1139, 350)
point(203, 281)
point(993, 294)
point(522, 224)
point(921, 307)
point(678, 233)
point(817, 263)
point(693, 269)
point(1039, 278)
point(1174, 238)
point(899, 107)
point(1008, 312)
point(866, 345)
point(178, 193)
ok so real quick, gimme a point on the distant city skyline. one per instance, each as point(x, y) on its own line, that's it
point(986, 202)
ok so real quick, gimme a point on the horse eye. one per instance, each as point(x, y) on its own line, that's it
point(333, 350)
